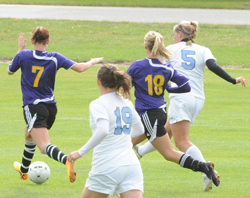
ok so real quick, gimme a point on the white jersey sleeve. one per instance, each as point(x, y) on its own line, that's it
point(97, 110)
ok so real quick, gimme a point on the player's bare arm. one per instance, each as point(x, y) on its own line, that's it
point(81, 67)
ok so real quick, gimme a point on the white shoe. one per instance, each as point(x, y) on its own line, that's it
point(136, 148)
point(207, 184)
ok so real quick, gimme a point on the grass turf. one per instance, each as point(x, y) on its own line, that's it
point(209, 4)
point(123, 42)
point(220, 131)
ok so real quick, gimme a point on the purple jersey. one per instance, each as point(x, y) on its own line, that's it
point(38, 74)
point(150, 78)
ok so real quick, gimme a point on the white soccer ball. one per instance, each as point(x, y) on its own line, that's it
point(39, 172)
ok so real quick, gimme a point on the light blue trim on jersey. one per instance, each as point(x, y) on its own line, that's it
point(162, 66)
point(184, 83)
point(45, 58)
point(72, 66)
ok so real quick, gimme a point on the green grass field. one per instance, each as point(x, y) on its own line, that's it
point(123, 42)
point(221, 131)
point(210, 4)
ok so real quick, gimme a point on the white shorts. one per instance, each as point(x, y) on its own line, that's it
point(116, 180)
point(184, 107)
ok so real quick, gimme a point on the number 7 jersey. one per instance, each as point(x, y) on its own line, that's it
point(39, 70)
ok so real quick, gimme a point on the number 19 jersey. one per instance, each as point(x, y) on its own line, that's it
point(116, 148)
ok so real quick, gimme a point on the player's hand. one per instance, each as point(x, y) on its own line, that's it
point(21, 42)
point(72, 157)
point(241, 80)
point(96, 60)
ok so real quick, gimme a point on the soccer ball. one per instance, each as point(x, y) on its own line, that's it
point(39, 172)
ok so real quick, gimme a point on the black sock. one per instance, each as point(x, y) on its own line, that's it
point(53, 152)
point(186, 161)
point(28, 154)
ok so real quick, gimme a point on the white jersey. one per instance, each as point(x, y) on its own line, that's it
point(190, 61)
point(116, 149)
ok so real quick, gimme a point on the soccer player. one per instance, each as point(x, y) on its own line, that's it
point(150, 78)
point(113, 120)
point(39, 69)
point(189, 59)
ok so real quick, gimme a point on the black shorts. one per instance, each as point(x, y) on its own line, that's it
point(154, 121)
point(39, 115)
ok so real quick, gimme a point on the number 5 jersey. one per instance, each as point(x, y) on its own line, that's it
point(191, 61)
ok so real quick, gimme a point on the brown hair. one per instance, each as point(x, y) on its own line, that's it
point(40, 35)
point(111, 77)
point(154, 41)
point(189, 29)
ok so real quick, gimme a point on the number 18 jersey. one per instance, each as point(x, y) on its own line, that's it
point(150, 78)
point(39, 70)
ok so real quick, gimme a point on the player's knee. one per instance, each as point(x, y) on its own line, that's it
point(180, 145)
point(41, 148)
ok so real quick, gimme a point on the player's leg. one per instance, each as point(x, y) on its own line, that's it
point(132, 194)
point(166, 149)
point(180, 131)
point(181, 137)
point(146, 148)
point(162, 144)
point(41, 137)
point(154, 122)
point(138, 139)
point(28, 153)
point(168, 128)
point(29, 148)
point(182, 112)
point(42, 117)
point(91, 194)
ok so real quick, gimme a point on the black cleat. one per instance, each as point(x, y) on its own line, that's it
point(208, 169)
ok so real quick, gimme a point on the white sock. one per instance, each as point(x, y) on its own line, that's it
point(146, 148)
point(195, 153)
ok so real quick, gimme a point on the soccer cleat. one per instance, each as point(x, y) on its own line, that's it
point(71, 170)
point(211, 173)
point(17, 167)
point(207, 184)
point(136, 148)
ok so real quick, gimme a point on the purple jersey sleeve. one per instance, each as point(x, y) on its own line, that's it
point(15, 64)
point(181, 81)
point(64, 62)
